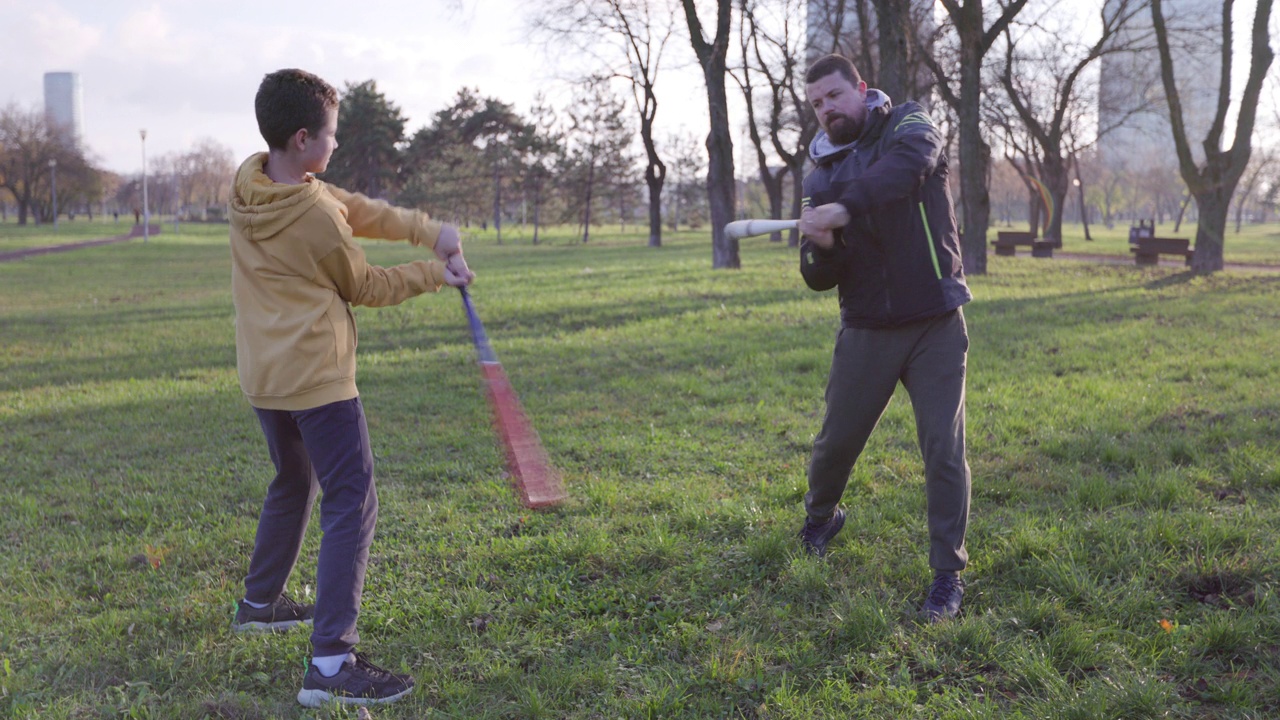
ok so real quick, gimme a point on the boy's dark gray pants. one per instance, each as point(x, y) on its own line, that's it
point(325, 448)
point(929, 358)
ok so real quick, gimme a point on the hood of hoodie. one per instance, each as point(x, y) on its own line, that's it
point(822, 147)
point(261, 208)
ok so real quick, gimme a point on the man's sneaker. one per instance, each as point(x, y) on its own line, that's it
point(815, 536)
point(282, 614)
point(944, 598)
point(357, 683)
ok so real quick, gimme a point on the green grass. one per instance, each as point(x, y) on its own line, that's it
point(1122, 432)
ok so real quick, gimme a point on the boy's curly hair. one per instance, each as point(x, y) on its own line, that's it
point(290, 100)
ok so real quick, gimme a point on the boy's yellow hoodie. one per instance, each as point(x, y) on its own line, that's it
point(297, 269)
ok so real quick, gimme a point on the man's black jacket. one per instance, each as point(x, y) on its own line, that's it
point(898, 259)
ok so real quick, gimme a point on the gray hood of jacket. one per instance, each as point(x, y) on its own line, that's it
point(822, 147)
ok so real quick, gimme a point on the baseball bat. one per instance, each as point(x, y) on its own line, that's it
point(739, 229)
point(538, 483)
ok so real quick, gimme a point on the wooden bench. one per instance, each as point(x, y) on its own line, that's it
point(1007, 242)
point(1147, 250)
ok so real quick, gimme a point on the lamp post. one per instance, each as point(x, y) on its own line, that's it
point(53, 175)
point(146, 210)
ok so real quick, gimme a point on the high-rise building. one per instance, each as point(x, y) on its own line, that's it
point(63, 103)
point(1132, 109)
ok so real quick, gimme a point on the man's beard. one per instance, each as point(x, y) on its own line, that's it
point(843, 129)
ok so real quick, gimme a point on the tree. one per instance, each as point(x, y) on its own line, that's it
point(1214, 183)
point(639, 31)
point(370, 132)
point(598, 138)
point(773, 53)
point(720, 178)
point(204, 176)
point(1046, 94)
point(1260, 164)
point(972, 40)
point(27, 143)
point(688, 164)
point(748, 35)
point(459, 164)
point(540, 146)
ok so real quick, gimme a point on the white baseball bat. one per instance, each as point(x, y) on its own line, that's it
point(739, 229)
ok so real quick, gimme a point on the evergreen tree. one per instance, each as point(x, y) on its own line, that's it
point(370, 133)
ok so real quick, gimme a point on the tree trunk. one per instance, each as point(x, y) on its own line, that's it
point(891, 25)
point(773, 188)
point(655, 174)
point(1182, 210)
point(1210, 231)
point(586, 212)
point(975, 164)
point(1056, 182)
point(721, 188)
point(797, 199)
point(537, 208)
point(655, 206)
point(497, 202)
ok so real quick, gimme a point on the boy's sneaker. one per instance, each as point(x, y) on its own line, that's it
point(944, 598)
point(357, 683)
point(282, 614)
point(815, 536)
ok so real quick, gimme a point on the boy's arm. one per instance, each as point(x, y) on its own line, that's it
point(360, 283)
point(379, 220)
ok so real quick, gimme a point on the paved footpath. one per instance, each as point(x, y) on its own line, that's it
point(47, 249)
point(1164, 262)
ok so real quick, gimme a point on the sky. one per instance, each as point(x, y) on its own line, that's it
point(186, 70)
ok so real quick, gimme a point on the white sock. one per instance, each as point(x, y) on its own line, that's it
point(329, 665)
point(253, 604)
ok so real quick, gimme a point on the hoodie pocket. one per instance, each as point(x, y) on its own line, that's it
point(343, 324)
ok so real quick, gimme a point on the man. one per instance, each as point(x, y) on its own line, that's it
point(878, 224)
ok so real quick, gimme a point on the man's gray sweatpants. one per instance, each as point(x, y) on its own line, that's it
point(929, 358)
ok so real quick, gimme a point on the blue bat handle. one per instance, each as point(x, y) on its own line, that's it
point(484, 351)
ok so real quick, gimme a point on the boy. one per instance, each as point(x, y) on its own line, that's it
point(296, 270)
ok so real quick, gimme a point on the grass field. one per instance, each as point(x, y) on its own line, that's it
point(1125, 535)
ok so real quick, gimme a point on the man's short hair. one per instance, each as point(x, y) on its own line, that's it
point(290, 100)
point(828, 64)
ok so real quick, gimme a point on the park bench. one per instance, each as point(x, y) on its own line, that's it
point(1007, 242)
point(1147, 250)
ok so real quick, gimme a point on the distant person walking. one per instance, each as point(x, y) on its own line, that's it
point(296, 271)
point(137, 216)
point(879, 224)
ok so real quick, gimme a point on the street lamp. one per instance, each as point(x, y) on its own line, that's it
point(146, 210)
point(53, 174)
